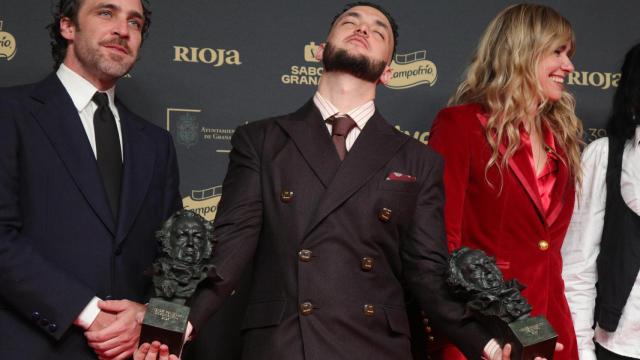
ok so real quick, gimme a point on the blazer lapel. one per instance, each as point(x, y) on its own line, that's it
point(57, 116)
point(376, 145)
point(521, 166)
point(310, 135)
point(139, 161)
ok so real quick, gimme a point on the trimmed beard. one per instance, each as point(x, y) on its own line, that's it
point(360, 66)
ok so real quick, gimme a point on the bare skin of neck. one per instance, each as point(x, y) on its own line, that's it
point(537, 145)
point(345, 91)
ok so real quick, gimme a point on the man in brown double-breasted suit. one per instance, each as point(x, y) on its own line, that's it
point(335, 243)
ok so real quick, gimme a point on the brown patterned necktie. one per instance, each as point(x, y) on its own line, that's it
point(342, 124)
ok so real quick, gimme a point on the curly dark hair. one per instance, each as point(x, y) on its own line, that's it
point(69, 9)
point(392, 22)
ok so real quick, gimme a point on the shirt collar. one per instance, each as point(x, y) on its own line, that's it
point(636, 138)
point(360, 114)
point(80, 90)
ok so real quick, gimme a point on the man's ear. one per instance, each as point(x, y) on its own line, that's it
point(320, 51)
point(386, 75)
point(67, 28)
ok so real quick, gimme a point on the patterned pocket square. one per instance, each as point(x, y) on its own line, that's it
point(396, 176)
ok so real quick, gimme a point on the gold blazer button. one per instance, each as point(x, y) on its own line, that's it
point(543, 245)
point(368, 310)
point(305, 255)
point(306, 308)
point(286, 196)
point(385, 214)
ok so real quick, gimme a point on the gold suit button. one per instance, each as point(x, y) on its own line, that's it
point(306, 308)
point(427, 329)
point(304, 255)
point(431, 338)
point(286, 196)
point(369, 310)
point(543, 245)
point(366, 263)
point(385, 214)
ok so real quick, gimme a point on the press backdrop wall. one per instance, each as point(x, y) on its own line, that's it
point(209, 66)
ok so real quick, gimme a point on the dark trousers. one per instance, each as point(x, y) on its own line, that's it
point(604, 354)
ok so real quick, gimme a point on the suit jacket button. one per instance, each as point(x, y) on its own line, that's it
point(304, 255)
point(286, 196)
point(44, 322)
point(384, 214)
point(431, 338)
point(306, 308)
point(52, 328)
point(427, 329)
point(35, 316)
point(108, 297)
point(366, 263)
point(425, 321)
point(543, 245)
point(368, 310)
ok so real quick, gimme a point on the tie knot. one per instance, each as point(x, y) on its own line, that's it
point(342, 124)
point(101, 99)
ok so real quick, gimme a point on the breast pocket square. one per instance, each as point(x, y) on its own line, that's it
point(396, 176)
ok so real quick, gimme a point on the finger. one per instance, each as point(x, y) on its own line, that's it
point(141, 352)
point(113, 330)
point(164, 352)
point(113, 305)
point(559, 346)
point(506, 352)
point(125, 347)
point(126, 354)
point(153, 351)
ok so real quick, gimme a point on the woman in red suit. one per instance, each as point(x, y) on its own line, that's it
point(511, 142)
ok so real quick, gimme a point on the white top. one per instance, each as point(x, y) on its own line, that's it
point(81, 91)
point(582, 246)
point(361, 114)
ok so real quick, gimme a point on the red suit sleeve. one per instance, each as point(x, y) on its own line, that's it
point(449, 137)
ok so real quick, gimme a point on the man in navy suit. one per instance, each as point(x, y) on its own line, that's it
point(84, 183)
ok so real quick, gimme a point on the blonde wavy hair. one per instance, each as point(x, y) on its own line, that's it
point(502, 77)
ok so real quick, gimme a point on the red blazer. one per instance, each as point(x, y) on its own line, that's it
point(509, 224)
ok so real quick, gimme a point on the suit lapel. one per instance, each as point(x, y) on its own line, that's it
point(57, 116)
point(139, 160)
point(376, 145)
point(521, 166)
point(310, 135)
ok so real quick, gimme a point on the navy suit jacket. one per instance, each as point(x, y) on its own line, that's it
point(59, 242)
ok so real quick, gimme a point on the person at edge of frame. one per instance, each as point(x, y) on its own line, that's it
point(601, 249)
point(84, 184)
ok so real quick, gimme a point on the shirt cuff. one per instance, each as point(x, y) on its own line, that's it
point(492, 351)
point(88, 314)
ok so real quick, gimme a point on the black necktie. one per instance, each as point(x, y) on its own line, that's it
point(342, 124)
point(108, 150)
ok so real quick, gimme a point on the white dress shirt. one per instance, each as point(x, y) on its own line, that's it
point(81, 91)
point(582, 246)
point(361, 114)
